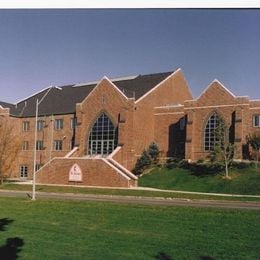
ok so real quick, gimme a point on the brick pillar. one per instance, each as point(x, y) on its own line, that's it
point(239, 132)
point(189, 134)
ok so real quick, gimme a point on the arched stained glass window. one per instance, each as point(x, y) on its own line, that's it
point(102, 137)
point(210, 137)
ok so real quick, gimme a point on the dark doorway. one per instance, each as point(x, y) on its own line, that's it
point(177, 137)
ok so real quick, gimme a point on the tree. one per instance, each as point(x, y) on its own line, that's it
point(9, 147)
point(254, 141)
point(153, 151)
point(223, 150)
point(142, 162)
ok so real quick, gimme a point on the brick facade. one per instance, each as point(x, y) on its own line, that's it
point(166, 114)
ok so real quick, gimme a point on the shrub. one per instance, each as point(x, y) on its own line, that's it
point(241, 165)
point(143, 162)
point(153, 151)
point(203, 169)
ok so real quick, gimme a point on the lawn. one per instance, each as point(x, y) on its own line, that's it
point(46, 229)
point(120, 192)
point(243, 181)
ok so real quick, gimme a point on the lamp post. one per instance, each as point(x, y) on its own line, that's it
point(35, 140)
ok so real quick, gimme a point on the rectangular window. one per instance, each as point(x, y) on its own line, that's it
point(73, 122)
point(25, 145)
point(57, 145)
point(26, 126)
point(40, 125)
point(38, 166)
point(23, 171)
point(58, 124)
point(39, 145)
point(256, 120)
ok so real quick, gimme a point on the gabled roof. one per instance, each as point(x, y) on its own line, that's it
point(63, 99)
point(140, 85)
point(8, 105)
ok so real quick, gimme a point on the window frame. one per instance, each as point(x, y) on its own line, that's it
point(103, 136)
point(73, 123)
point(40, 125)
point(256, 118)
point(57, 145)
point(58, 124)
point(39, 145)
point(25, 146)
point(209, 135)
point(26, 126)
point(24, 171)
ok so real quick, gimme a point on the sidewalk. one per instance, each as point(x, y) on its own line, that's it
point(151, 189)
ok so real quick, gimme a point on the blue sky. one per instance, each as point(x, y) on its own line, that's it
point(40, 47)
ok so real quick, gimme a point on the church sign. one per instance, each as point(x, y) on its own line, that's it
point(75, 173)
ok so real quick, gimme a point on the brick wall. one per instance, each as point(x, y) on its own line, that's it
point(95, 172)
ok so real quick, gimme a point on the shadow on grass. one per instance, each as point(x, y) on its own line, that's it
point(11, 248)
point(12, 245)
point(4, 222)
point(163, 256)
point(206, 258)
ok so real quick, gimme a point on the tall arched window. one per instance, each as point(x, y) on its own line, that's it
point(102, 137)
point(210, 137)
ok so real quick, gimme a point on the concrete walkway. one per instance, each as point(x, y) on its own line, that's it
point(136, 200)
point(152, 189)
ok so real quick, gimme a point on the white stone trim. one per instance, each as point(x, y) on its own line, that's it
point(209, 86)
point(36, 93)
point(71, 152)
point(157, 86)
point(122, 168)
point(254, 108)
point(170, 106)
point(170, 113)
point(110, 158)
point(119, 171)
point(124, 78)
point(216, 106)
point(118, 148)
point(116, 87)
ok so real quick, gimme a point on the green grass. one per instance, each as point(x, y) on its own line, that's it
point(120, 192)
point(244, 181)
point(95, 230)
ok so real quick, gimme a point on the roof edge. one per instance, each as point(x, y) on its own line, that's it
point(158, 85)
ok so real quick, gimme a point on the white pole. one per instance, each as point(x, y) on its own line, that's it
point(34, 155)
point(35, 140)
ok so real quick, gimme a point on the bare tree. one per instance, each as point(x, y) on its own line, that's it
point(223, 150)
point(9, 147)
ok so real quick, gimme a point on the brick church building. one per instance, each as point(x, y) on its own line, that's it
point(92, 134)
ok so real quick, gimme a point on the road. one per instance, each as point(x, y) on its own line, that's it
point(136, 200)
